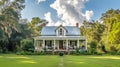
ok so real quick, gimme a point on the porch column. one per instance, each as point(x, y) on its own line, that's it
point(66, 44)
point(78, 44)
point(54, 44)
point(58, 45)
point(43, 45)
point(36, 46)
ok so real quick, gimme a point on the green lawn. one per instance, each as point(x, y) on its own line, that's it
point(11, 60)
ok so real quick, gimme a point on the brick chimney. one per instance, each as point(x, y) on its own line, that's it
point(44, 24)
point(77, 24)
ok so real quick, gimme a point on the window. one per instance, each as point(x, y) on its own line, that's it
point(73, 44)
point(61, 32)
point(48, 44)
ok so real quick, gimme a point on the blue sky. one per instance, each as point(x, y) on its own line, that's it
point(101, 6)
point(35, 9)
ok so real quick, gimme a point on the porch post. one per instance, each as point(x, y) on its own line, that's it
point(66, 44)
point(58, 45)
point(37, 45)
point(43, 45)
point(54, 44)
point(78, 44)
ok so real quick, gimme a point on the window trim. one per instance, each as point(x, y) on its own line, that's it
point(61, 32)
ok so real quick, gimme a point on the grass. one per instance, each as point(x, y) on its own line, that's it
point(11, 60)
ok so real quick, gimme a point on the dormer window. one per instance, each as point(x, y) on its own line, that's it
point(61, 32)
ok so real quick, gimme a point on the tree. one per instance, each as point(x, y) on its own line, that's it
point(9, 18)
point(93, 30)
point(36, 25)
point(111, 36)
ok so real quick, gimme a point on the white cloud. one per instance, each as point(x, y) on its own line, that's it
point(12, 0)
point(39, 1)
point(70, 12)
point(89, 14)
point(49, 19)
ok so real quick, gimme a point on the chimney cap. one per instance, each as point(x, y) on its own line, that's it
point(77, 24)
point(44, 24)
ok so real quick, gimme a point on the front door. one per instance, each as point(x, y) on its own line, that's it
point(61, 44)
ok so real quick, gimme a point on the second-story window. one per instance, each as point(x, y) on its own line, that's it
point(61, 32)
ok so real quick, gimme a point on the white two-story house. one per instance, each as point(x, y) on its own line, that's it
point(60, 38)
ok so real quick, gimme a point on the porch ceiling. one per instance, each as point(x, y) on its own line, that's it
point(60, 38)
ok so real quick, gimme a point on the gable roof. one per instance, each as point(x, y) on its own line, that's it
point(60, 27)
point(50, 31)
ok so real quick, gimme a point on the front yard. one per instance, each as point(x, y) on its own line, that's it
point(11, 60)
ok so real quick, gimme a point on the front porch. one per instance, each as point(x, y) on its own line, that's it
point(55, 43)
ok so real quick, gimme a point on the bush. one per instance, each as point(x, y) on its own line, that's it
point(93, 47)
point(61, 54)
point(27, 45)
point(20, 53)
point(85, 53)
point(93, 51)
point(39, 53)
point(93, 44)
point(1, 50)
point(118, 52)
point(113, 53)
point(25, 53)
point(99, 53)
point(77, 50)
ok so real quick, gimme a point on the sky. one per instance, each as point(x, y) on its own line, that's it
point(67, 12)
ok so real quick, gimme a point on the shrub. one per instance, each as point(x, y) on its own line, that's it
point(40, 53)
point(0, 50)
point(20, 53)
point(27, 45)
point(29, 53)
point(61, 54)
point(93, 50)
point(85, 53)
point(93, 44)
point(93, 47)
point(99, 53)
point(113, 52)
point(76, 51)
point(118, 52)
point(25, 53)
